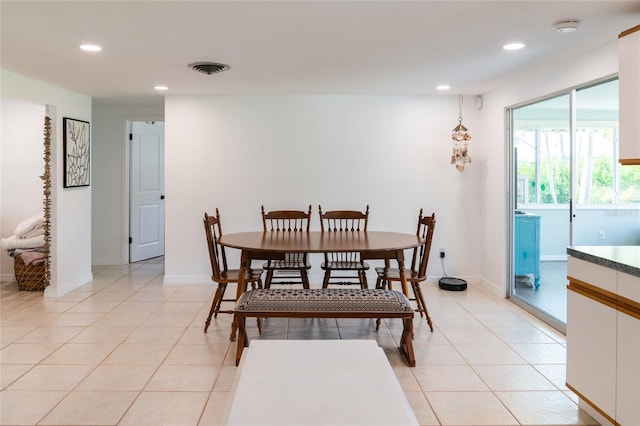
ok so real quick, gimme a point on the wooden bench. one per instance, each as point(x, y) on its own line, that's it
point(326, 303)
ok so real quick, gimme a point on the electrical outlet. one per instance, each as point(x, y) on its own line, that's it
point(442, 252)
point(601, 235)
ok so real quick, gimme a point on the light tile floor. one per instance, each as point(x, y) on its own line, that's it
point(128, 350)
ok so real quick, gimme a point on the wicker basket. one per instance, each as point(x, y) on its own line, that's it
point(29, 277)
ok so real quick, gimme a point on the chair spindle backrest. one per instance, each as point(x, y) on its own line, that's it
point(217, 255)
point(426, 226)
point(286, 220)
point(343, 220)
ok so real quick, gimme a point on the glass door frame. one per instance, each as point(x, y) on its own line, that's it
point(510, 208)
point(511, 191)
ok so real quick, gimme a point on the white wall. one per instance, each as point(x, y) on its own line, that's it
point(393, 153)
point(109, 203)
point(237, 152)
point(71, 208)
point(538, 83)
point(21, 154)
point(620, 225)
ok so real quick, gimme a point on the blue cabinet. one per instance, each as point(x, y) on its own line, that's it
point(527, 245)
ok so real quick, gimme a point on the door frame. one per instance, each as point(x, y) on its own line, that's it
point(510, 186)
point(126, 178)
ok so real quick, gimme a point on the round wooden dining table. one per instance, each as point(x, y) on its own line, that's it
point(371, 245)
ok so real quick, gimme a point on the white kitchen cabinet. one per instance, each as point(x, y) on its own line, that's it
point(591, 352)
point(591, 339)
point(628, 389)
point(603, 341)
point(629, 80)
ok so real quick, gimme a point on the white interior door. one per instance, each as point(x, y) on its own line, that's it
point(146, 223)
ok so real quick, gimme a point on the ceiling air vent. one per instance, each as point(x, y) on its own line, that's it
point(208, 67)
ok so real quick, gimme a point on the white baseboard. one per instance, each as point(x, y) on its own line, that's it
point(107, 261)
point(491, 288)
point(476, 282)
point(58, 289)
point(7, 277)
point(554, 258)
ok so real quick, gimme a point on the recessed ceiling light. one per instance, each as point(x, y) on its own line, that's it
point(513, 46)
point(90, 47)
point(566, 25)
point(161, 87)
point(443, 87)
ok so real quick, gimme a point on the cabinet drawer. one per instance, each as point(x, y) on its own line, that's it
point(591, 352)
point(628, 394)
point(629, 286)
point(596, 275)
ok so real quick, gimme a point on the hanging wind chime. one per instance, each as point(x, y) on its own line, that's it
point(461, 137)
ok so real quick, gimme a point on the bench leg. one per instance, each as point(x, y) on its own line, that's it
point(243, 340)
point(406, 341)
point(234, 329)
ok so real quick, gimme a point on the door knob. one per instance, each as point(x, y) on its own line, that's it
point(162, 197)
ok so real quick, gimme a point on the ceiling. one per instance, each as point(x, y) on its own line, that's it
point(296, 47)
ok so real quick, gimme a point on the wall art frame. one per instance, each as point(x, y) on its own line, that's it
point(76, 152)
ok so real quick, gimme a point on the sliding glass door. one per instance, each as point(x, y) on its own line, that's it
point(568, 189)
point(542, 147)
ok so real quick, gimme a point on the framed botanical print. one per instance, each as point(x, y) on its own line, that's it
point(76, 152)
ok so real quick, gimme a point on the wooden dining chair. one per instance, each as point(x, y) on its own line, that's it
point(292, 267)
point(221, 274)
point(419, 262)
point(340, 267)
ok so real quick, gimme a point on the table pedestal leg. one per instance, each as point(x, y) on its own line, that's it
point(403, 274)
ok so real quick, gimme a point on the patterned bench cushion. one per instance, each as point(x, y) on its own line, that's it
point(323, 300)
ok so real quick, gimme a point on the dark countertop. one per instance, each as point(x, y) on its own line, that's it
point(620, 258)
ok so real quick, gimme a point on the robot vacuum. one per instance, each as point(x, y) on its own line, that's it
point(452, 284)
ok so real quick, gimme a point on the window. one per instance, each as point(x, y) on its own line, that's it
point(542, 137)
